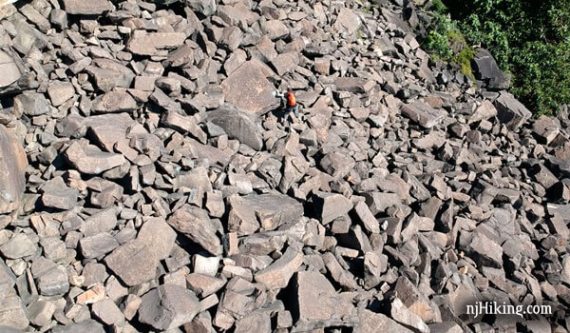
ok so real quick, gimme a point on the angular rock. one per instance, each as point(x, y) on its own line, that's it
point(275, 29)
point(257, 321)
point(212, 154)
point(341, 276)
point(91, 160)
point(285, 62)
point(422, 114)
point(88, 325)
point(79, 7)
point(145, 43)
point(102, 221)
point(347, 21)
point(510, 111)
point(97, 245)
point(10, 71)
point(278, 274)
point(108, 312)
point(60, 92)
point(486, 249)
point(318, 303)
point(108, 129)
point(41, 312)
point(486, 70)
point(337, 164)
point(367, 218)
point(168, 306)
point(204, 285)
point(248, 89)
point(94, 294)
point(31, 104)
point(268, 211)
point(202, 323)
point(485, 111)
point(546, 128)
point(195, 224)
point(197, 179)
point(109, 74)
point(184, 124)
point(231, 38)
point(159, 235)
point(12, 313)
point(55, 194)
point(330, 206)
point(114, 101)
point(19, 246)
point(385, 47)
point(55, 282)
point(238, 13)
point(414, 300)
point(353, 84)
point(204, 7)
point(369, 322)
point(400, 313)
point(136, 261)
point(13, 162)
point(379, 201)
point(104, 193)
point(237, 125)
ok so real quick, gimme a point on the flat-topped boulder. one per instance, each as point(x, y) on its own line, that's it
point(136, 261)
point(267, 211)
point(92, 7)
point(237, 125)
point(91, 160)
point(422, 114)
point(248, 89)
point(150, 43)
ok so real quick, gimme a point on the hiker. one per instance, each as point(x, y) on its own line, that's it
point(291, 105)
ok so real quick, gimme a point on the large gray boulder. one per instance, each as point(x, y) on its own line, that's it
point(319, 305)
point(268, 211)
point(237, 125)
point(249, 90)
point(137, 260)
point(510, 111)
point(488, 72)
point(168, 306)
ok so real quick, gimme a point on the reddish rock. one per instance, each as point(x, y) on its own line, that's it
point(248, 89)
point(13, 162)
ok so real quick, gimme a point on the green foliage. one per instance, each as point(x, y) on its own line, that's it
point(446, 42)
point(463, 59)
point(438, 44)
point(529, 38)
point(543, 75)
point(439, 7)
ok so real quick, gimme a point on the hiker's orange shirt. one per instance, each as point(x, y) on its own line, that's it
point(291, 101)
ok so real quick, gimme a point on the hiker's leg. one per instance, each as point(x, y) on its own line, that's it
point(296, 110)
point(285, 114)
